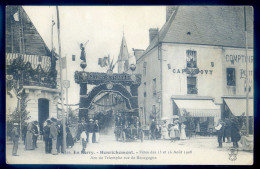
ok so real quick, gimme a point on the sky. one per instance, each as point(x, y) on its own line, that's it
point(103, 26)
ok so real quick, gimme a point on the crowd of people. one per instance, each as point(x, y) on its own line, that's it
point(228, 130)
point(52, 134)
point(173, 131)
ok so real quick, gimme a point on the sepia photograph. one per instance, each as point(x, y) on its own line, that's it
point(129, 85)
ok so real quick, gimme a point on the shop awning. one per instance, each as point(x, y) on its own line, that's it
point(198, 108)
point(238, 106)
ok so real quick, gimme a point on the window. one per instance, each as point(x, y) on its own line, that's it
point(191, 58)
point(192, 85)
point(231, 77)
point(154, 86)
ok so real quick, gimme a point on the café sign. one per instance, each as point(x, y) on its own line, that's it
point(192, 71)
point(96, 78)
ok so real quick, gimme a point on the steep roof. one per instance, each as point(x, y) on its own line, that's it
point(207, 25)
point(123, 54)
point(17, 18)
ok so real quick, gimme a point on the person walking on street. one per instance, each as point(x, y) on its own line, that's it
point(24, 130)
point(60, 137)
point(176, 130)
point(227, 130)
point(53, 136)
point(15, 139)
point(220, 132)
point(153, 129)
point(183, 133)
point(164, 131)
point(35, 134)
point(235, 135)
point(81, 127)
point(172, 132)
point(69, 138)
point(29, 137)
point(83, 138)
point(96, 132)
point(46, 137)
point(90, 131)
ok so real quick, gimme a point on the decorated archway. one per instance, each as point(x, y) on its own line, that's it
point(122, 84)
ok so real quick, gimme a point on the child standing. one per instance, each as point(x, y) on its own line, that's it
point(83, 138)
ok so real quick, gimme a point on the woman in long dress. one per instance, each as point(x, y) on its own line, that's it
point(29, 136)
point(183, 133)
point(177, 130)
point(172, 133)
point(164, 132)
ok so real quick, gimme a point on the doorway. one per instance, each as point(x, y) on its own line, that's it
point(43, 112)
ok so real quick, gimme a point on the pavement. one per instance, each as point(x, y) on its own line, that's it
point(196, 150)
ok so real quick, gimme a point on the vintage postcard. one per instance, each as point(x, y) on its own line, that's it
point(165, 85)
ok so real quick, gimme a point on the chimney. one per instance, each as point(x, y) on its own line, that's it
point(169, 11)
point(153, 32)
point(138, 53)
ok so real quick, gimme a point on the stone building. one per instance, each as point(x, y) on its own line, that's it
point(196, 63)
point(31, 64)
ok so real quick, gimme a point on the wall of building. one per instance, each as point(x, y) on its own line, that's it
point(235, 58)
point(209, 77)
point(152, 96)
point(34, 96)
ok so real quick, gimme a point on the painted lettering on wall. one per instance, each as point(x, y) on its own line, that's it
point(243, 73)
point(239, 59)
point(199, 71)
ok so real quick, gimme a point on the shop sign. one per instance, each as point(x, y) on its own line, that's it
point(239, 59)
point(98, 78)
point(192, 71)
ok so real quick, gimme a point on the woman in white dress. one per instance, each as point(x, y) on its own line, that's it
point(172, 133)
point(177, 131)
point(183, 133)
point(164, 132)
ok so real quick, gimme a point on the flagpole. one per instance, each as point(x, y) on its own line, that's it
point(67, 91)
point(61, 80)
point(52, 24)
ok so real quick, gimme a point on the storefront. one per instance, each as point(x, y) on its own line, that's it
point(201, 114)
point(236, 106)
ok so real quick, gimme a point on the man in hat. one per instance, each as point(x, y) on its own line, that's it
point(235, 131)
point(96, 132)
point(15, 139)
point(46, 137)
point(53, 135)
point(81, 127)
point(90, 130)
point(220, 132)
point(60, 137)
